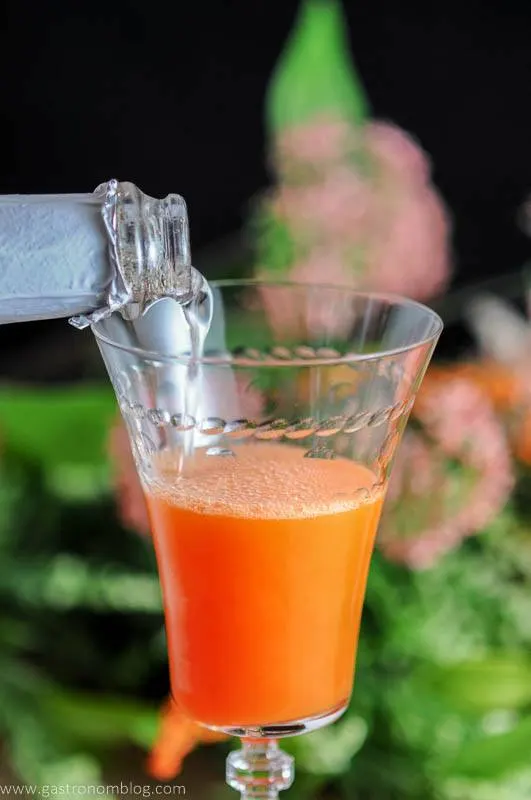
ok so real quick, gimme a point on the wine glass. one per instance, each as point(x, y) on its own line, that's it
point(264, 464)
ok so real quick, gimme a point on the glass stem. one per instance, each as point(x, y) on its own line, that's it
point(260, 769)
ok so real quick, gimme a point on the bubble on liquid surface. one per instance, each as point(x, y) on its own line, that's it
point(220, 451)
point(182, 422)
point(263, 480)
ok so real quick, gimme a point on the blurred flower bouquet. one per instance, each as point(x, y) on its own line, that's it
point(442, 705)
point(352, 202)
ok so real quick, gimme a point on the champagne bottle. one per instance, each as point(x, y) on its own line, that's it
point(85, 256)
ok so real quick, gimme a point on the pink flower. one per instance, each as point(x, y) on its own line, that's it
point(282, 312)
point(370, 202)
point(416, 470)
point(234, 393)
point(410, 256)
point(310, 319)
point(397, 152)
point(322, 141)
point(324, 266)
point(329, 320)
point(129, 494)
point(461, 424)
point(335, 206)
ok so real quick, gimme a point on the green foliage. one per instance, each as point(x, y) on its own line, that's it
point(315, 75)
point(105, 720)
point(58, 426)
point(494, 756)
point(275, 248)
point(483, 685)
point(80, 632)
point(329, 751)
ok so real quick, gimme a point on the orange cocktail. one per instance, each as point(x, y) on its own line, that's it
point(263, 558)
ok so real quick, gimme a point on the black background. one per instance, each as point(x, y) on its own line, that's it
point(170, 95)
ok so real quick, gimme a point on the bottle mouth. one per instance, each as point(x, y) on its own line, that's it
point(148, 247)
point(198, 291)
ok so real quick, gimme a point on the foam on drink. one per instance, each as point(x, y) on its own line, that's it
point(266, 480)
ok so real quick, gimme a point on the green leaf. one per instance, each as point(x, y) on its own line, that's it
point(74, 770)
point(38, 757)
point(97, 719)
point(315, 75)
point(329, 751)
point(501, 682)
point(57, 426)
point(274, 244)
point(247, 329)
point(493, 756)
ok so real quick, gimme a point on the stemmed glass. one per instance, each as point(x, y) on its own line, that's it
point(265, 464)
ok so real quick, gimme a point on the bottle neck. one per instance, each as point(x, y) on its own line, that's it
point(149, 251)
point(85, 256)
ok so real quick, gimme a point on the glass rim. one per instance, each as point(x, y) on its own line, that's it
point(310, 361)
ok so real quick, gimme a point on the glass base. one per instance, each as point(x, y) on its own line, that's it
point(261, 769)
point(282, 729)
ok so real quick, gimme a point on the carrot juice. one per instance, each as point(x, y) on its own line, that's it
point(263, 558)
